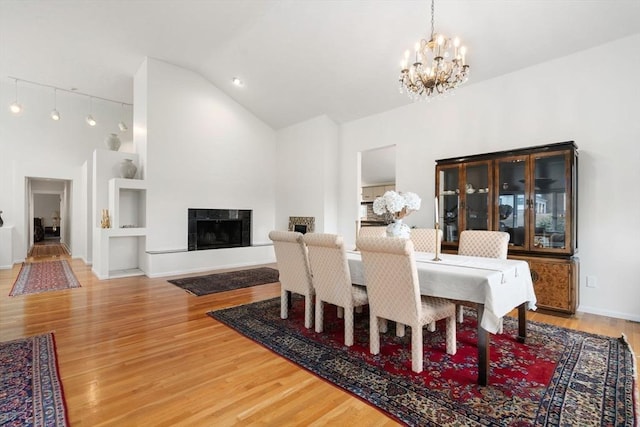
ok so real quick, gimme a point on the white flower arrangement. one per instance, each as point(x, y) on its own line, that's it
point(398, 204)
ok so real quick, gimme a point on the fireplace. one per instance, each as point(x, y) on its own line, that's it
point(218, 228)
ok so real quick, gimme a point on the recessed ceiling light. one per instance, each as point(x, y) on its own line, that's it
point(236, 81)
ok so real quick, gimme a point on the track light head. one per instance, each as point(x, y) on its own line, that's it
point(90, 120)
point(15, 108)
point(55, 115)
point(123, 126)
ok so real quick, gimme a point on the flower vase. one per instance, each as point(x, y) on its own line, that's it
point(398, 229)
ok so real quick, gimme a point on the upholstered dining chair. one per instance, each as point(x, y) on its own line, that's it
point(373, 231)
point(424, 239)
point(394, 294)
point(482, 243)
point(295, 272)
point(332, 280)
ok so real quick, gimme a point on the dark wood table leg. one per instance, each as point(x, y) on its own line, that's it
point(522, 322)
point(483, 350)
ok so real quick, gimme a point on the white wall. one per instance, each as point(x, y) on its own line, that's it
point(203, 150)
point(33, 145)
point(590, 97)
point(307, 173)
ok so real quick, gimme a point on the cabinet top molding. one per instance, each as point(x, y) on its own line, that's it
point(514, 152)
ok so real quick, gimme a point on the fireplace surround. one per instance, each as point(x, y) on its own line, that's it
point(218, 228)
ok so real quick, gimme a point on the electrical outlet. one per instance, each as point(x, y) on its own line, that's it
point(592, 282)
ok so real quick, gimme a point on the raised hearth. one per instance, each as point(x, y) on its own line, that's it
point(218, 228)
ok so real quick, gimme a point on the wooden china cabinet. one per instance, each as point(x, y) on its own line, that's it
point(530, 193)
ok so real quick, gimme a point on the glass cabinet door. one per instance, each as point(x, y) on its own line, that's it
point(448, 190)
point(512, 205)
point(548, 202)
point(476, 198)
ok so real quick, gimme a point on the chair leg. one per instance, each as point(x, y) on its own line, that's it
point(284, 309)
point(416, 348)
point(340, 312)
point(383, 326)
point(348, 326)
point(399, 329)
point(319, 315)
point(374, 334)
point(500, 326)
point(308, 311)
point(452, 346)
point(460, 310)
point(431, 327)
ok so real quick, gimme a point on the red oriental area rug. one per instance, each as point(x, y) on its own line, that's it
point(30, 388)
point(43, 277)
point(558, 377)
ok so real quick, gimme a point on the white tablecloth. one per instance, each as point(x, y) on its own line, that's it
point(501, 285)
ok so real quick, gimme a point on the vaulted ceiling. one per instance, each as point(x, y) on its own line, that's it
point(298, 58)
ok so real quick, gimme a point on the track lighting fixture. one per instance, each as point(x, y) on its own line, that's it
point(90, 120)
point(55, 115)
point(122, 125)
point(15, 108)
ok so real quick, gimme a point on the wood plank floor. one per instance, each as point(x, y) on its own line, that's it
point(140, 351)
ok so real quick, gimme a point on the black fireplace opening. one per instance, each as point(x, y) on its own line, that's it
point(218, 228)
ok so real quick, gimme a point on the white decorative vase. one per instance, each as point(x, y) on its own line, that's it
point(127, 169)
point(398, 229)
point(112, 141)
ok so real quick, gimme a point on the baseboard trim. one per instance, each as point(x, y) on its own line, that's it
point(609, 313)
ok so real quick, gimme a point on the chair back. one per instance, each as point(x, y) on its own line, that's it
point(329, 268)
point(391, 278)
point(483, 243)
point(293, 261)
point(374, 231)
point(424, 239)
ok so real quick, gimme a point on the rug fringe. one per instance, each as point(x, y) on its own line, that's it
point(636, 393)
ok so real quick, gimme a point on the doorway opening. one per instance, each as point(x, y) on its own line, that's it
point(49, 202)
point(377, 175)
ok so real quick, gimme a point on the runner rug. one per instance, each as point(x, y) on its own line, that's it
point(43, 277)
point(220, 282)
point(30, 388)
point(559, 377)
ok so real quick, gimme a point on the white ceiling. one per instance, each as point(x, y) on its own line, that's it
point(299, 59)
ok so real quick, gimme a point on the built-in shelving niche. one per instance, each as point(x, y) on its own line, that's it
point(118, 250)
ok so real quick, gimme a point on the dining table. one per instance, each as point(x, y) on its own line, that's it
point(495, 286)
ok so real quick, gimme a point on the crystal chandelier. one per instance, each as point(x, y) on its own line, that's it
point(439, 66)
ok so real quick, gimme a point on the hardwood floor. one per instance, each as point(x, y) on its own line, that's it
point(140, 351)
